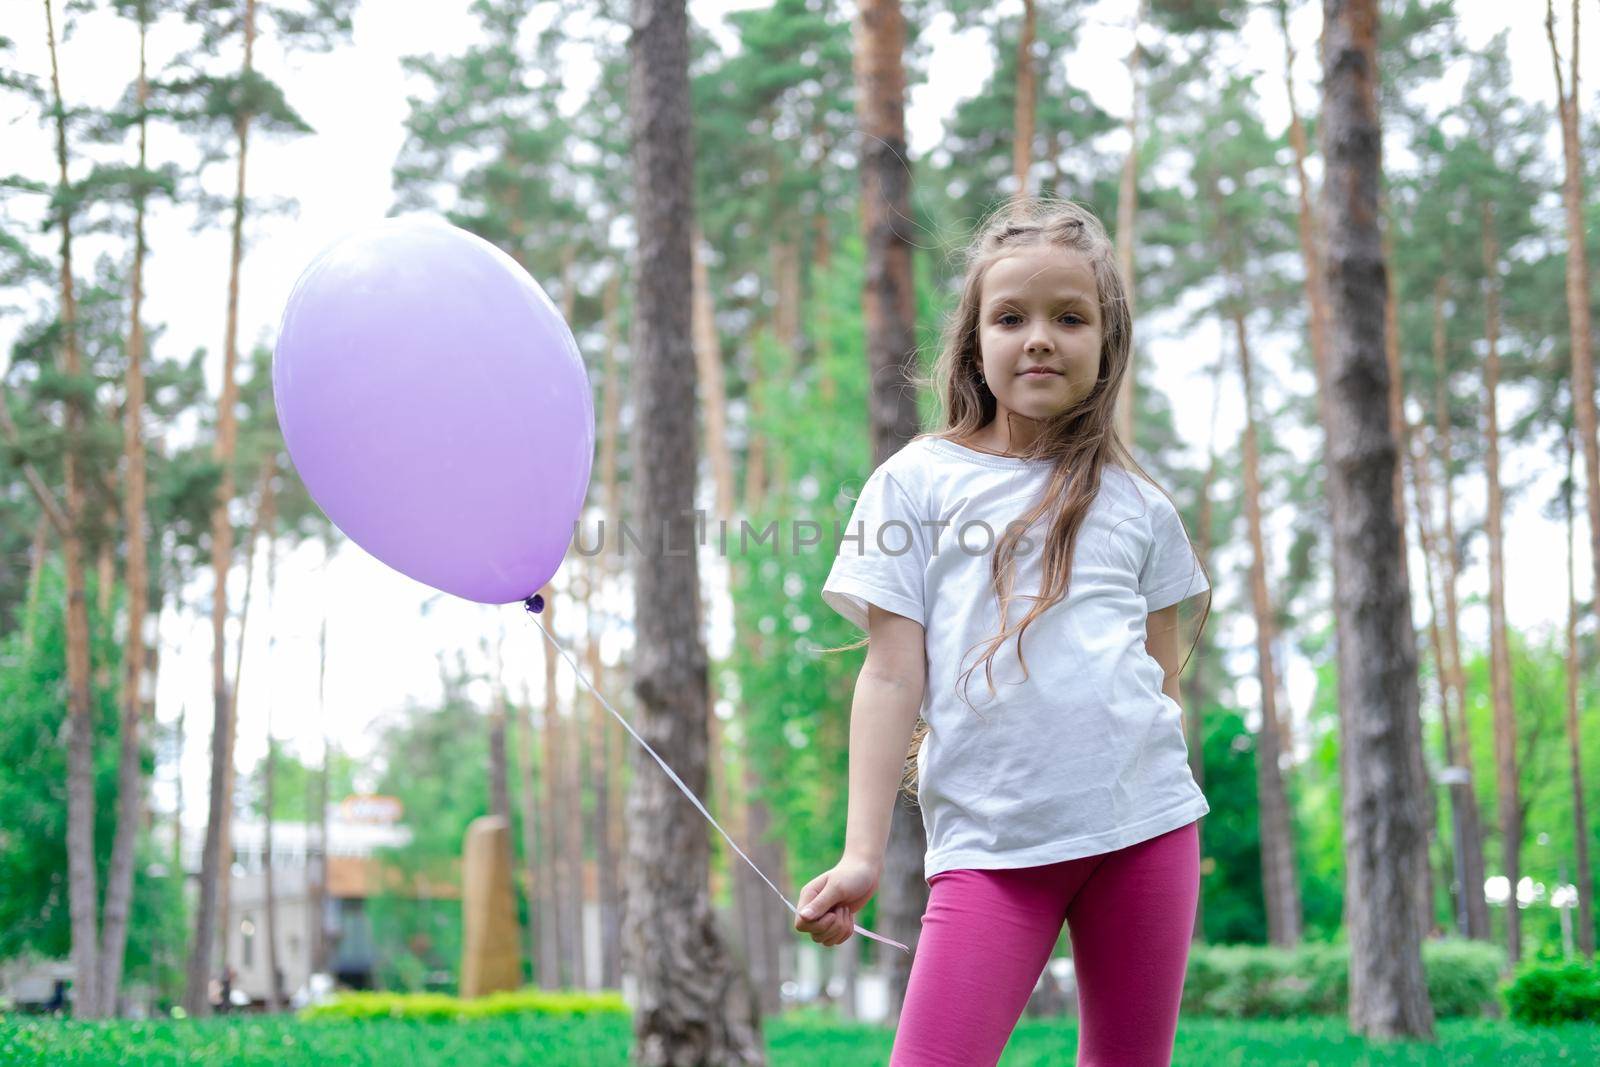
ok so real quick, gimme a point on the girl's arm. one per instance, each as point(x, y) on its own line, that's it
point(1161, 641)
point(888, 698)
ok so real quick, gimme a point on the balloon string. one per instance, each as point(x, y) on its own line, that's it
point(535, 604)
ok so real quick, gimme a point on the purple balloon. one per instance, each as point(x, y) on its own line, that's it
point(436, 406)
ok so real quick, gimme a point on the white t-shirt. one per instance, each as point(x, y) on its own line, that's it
point(1086, 755)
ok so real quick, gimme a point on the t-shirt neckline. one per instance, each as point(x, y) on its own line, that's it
point(988, 459)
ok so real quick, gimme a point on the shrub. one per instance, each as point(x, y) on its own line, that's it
point(441, 1007)
point(1261, 982)
point(1543, 993)
point(1463, 977)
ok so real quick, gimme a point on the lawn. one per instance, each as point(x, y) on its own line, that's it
point(795, 1041)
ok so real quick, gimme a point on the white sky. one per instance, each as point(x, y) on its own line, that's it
point(383, 648)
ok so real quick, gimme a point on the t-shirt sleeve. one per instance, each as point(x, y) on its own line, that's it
point(1171, 571)
point(882, 554)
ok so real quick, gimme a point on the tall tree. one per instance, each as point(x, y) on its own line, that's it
point(752, 900)
point(244, 101)
point(888, 304)
point(1243, 221)
point(1027, 95)
point(82, 895)
point(608, 778)
point(556, 911)
point(130, 776)
point(1128, 215)
point(1578, 295)
point(1383, 834)
point(541, 926)
point(275, 992)
point(216, 857)
point(1494, 168)
point(1580, 820)
point(1474, 867)
point(692, 1005)
point(1505, 727)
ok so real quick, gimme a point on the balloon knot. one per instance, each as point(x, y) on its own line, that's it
point(534, 604)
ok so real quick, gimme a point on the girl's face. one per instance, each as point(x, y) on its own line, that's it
point(1039, 309)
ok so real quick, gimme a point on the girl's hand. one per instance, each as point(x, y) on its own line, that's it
point(829, 902)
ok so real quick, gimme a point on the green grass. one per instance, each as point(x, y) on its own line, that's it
point(793, 1041)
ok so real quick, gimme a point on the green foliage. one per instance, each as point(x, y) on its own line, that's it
point(1258, 981)
point(418, 941)
point(438, 1007)
point(434, 760)
point(797, 1039)
point(1462, 975)
point(1542, 994)
point(295, 786)
point(33, 795)
point(1230, 882)
point(1538, 684)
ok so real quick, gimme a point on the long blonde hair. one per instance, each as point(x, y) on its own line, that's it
point(1079, 442)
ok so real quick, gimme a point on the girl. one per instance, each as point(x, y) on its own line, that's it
point(1067, 796)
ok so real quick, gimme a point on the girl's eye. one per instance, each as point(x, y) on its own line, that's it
point(1002, 319)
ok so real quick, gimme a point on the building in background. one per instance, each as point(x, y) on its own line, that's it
point(357, 828)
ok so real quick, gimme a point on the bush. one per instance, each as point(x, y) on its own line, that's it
point(441, 1007)
point(1543, 993)
point(1463, 977)
point(1261, 982)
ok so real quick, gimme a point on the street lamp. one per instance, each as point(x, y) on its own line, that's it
point(1451, 777)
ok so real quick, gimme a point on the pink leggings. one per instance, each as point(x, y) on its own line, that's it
point(987, 935)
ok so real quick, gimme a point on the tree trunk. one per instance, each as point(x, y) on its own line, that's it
point(1316, 287)
point(1580, 821)
point(598, 755)
point(317, 872)
point(177, 804)
point(1472, 911)
point(1127, 220)
point(763, 921)
point(768, 924)
point(499, 773)
point(747, 904)
point(540, 922)
point(1310, 236)
point(888, 307)
point(262, 521)
point(1383, 832)
point(1397, 426)
point(571, 759)
point(1026, 104)
point(558, 880)
point(213, 863)
point(275, 995)
point(608, 785)
point(1580, 333)
point(1194, 706)
point(130, 772)
point(82, 893)
point(1473, 865)
point(690, 1004)
point(573, 768)
point(1505, 723)
point(1279, 880)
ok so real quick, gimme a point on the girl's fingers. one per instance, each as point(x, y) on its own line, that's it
point(843, 924)
point(821, 929)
